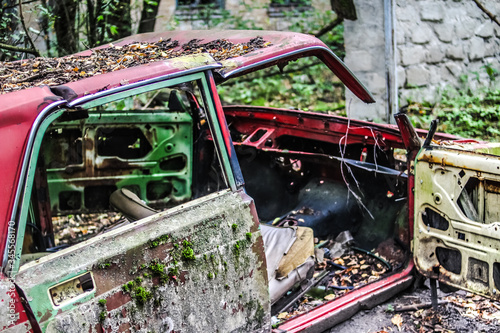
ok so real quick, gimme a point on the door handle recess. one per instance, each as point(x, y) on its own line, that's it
point(71, 290)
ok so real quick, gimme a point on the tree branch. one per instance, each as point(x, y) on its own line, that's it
point(329, 27)
point(33, 48)
point(487, 12)
point(18, 49)
point(24, 3)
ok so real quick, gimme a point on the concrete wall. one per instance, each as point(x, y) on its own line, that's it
point(365, 50)
point(439, 44)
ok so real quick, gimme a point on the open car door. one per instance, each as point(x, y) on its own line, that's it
point(457, 217)
point(199, 263)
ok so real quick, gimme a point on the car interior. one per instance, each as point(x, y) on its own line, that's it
point(107, 166)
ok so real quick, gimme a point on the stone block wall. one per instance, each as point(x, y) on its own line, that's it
point(444, 43)
point(440, 44)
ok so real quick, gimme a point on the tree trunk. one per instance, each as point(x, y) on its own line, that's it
point(64, 26)
point(148, 16)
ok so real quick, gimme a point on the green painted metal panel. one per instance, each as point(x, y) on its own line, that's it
point(148, 152)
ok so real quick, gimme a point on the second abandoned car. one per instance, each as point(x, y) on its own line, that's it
point(137, 199)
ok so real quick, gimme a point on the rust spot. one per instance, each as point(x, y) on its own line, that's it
point(258, 249)
point(124, 327)
point(99, 328)
point(182, 277)
point(493, 187)
point(116, 300)
point(46, 316)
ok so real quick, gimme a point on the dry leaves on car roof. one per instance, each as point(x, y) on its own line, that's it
point(28, 73)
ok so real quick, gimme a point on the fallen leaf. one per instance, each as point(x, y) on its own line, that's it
point(397, 320)
point(282, 315)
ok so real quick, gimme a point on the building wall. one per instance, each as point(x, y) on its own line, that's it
point(439, 44)
point(245, 10)
point(365, 55)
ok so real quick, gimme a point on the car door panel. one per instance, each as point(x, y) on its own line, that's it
point(457, 230)
point(186, 268)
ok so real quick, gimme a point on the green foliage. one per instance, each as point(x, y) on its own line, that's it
point(187, 252)
point(237, 248)
point(306, 84)
point(158, 241)
point(311, 21)
point(102, 302)
point(467, 114)
point(67, 25)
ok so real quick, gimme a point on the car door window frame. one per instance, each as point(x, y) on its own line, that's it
point(47, 116)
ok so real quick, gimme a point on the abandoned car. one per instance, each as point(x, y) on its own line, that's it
point(136, 198)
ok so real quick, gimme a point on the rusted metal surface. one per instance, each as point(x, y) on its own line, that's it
point(202, 264)
point(462, 250)
point(232, 283)
point(327, 128)
point(149, 152)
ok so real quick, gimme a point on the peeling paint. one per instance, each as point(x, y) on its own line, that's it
point(204, 226)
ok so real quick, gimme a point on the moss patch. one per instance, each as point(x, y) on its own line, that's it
point(158, 241)
point(142, 295)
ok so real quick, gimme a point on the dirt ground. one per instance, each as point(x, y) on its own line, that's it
point(460, 312)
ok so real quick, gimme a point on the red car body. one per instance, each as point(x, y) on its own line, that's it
point(22, 112)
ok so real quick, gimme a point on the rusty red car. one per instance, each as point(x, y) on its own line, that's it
point(135, 198)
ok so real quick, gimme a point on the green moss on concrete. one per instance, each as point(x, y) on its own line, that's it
point(142, 295)
point(102, 316)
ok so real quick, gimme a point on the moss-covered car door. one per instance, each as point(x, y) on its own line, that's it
point(457, 217)
point(196, 265)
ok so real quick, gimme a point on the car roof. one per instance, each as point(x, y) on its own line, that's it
point(19, 109)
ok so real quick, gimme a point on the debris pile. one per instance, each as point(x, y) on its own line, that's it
point(457, 312)
point(73, 229)
point(345, 273)
point(55, 71)
point(476, 307)
point(360, 269)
